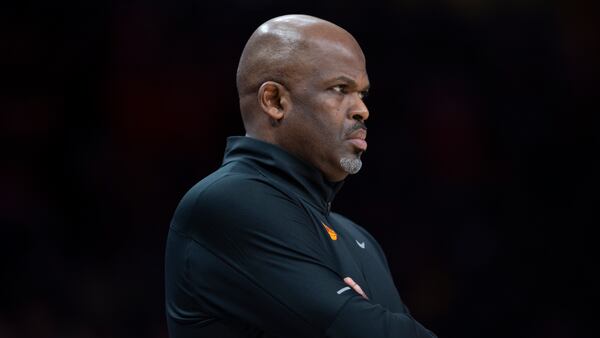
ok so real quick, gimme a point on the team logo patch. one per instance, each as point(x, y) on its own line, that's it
point(330, 231)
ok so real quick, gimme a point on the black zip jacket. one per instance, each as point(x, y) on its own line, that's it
point(254, 251)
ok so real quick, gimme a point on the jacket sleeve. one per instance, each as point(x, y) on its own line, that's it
point(254, 257)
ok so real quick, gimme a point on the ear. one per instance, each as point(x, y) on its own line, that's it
point(274, 100)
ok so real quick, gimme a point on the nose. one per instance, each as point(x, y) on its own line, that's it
point(359, 110)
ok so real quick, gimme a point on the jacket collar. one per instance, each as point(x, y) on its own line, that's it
point(285, 168)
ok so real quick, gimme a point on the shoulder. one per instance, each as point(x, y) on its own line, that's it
point(227, 198)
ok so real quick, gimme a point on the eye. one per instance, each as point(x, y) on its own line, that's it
point(363, 95)
point(339, 89)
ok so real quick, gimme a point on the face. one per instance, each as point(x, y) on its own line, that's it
point(326, 123)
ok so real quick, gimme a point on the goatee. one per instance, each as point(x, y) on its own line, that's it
point(351, 165)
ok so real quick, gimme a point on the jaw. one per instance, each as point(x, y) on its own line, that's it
point(337, 176)
point(341, 165)
point(351, 165)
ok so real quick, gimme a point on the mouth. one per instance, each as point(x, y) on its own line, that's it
point(358, 139)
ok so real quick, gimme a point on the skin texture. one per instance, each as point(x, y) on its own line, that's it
point(351, 283)
point(301, 82)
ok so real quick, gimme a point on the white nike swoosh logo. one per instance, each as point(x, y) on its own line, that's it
point(362, 245)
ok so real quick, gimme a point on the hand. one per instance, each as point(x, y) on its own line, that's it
point(351, 283)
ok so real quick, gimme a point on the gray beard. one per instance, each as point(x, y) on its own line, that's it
point(351, 165)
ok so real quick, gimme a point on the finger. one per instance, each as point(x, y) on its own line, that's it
point(360, 291)
point(350, 282)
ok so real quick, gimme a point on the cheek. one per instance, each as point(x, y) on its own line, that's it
point(324, 120)
point(333, 113)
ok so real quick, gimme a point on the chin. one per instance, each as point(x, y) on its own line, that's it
point(351, 165)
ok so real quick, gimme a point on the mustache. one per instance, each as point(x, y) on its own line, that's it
point(357, 126)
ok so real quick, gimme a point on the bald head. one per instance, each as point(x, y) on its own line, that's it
point(301, 82)
point(282, 50)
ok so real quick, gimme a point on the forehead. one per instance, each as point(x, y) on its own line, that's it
point(329, 59)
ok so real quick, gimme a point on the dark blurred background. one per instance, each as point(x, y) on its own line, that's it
point(480, 181)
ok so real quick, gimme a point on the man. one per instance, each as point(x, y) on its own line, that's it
point(253, 249)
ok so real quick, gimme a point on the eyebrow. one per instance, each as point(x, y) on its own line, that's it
point(349, 81)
